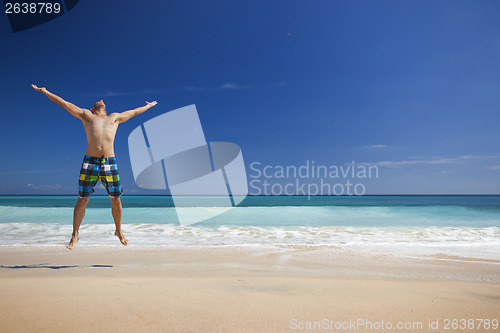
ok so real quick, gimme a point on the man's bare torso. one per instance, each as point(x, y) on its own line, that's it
point(99, 126)
point(101, 131)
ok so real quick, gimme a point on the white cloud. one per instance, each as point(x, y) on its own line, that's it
point(493, 167)
point(230, 86)
point(375, 146)
point(435, 161)
point(192, 88)
point(412, 162)
point(233, 86)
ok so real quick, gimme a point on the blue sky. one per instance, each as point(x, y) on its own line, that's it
point(410, 86)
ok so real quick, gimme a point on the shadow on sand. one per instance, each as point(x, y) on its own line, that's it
point(55, 266)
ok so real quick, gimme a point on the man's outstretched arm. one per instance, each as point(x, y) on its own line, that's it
point(70, 107)
point(126, 115)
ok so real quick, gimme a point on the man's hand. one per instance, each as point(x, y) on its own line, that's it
point(124, 116)
point(70, 107)
point(39, 89)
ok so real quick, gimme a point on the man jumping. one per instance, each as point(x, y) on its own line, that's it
point(99, 162)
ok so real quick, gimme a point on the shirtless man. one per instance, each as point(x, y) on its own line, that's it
point(99, 162)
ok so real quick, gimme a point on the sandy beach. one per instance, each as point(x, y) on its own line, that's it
point(117, 289)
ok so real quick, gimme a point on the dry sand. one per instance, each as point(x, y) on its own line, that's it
point(119, 289)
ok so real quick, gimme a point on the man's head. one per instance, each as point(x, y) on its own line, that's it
point(98, 106)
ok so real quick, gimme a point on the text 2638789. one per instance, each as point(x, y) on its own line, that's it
point(32, 8)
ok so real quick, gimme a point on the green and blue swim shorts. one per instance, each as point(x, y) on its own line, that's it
point(99, 168)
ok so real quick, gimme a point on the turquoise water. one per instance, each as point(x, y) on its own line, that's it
point(478, 201)
point(382, 211)
point(414, 226)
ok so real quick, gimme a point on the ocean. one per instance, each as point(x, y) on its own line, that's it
point(409, 226)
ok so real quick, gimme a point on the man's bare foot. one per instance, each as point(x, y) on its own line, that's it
point(72, 242)
point(122, 238)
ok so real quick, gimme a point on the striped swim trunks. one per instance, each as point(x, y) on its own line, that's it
point(99, 168)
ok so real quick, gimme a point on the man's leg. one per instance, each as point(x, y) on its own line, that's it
point(78, 215)
point(116, 210)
